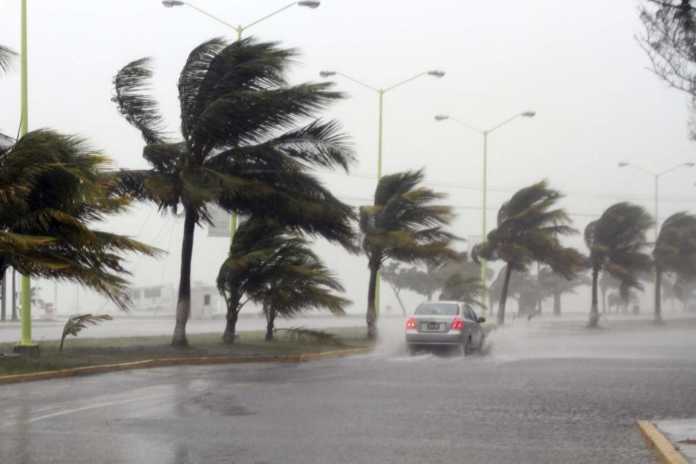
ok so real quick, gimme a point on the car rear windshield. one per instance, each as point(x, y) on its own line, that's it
point(437, 309)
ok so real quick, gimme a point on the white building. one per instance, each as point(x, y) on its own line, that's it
point(160, 300)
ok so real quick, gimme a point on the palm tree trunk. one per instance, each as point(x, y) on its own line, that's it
point(270, 322)
point(183, 305)
point(658, 295)
point(503, 295)
point(371, 316)
point(230, 327)
point(594, 310)
point(556, 304)
point(398, 298)
point(604, 301)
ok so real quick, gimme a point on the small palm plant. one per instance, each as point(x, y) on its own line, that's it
point(273, 266)
point(404, 225)
point(674, 253)
point(75, 324)
point(245, 146)
point(617, 245)
point(529, 229)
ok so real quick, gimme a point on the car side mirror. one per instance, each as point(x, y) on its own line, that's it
point(481, 320)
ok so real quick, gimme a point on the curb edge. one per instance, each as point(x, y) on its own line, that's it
point(663, 448)
point(178, 361)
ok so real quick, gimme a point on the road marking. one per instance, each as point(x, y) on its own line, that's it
point(83, 408)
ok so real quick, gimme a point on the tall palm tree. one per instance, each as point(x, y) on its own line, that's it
point(242, 146)
point(403, 225)
point(274, 267)
point(555, 285)
point(674, 253)
point(53, 190)
point(617, 245)
point(529, 229)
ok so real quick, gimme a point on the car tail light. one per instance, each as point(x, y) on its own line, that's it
point(411, 323)
point(457, 324)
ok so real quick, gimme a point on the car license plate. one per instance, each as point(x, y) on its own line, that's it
point(433, 326)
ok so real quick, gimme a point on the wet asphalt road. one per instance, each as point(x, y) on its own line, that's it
point(540, 395)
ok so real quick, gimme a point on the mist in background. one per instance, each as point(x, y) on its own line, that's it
point(577, 65)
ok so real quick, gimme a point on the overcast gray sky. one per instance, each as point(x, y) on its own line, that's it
point(576, 64)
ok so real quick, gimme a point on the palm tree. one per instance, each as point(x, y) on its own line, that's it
point(555, 285)
point(403, 225)
point(675, 253)
point(606, 282)
point(617, 246)
point(274, 267)
point(242, 148)
point(529, 229)
point(398, 279)
point(53, 189)
point(467, 289)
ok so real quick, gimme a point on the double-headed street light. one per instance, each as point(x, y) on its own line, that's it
point(240, 28)
point(484, 189)
point(656, 177)
point(380, 125)
point(380, 93)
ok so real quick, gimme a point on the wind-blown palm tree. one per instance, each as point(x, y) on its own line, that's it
point(403, 225)
point(617, 246)
point(53, 189)
point(242, 149)
point(529, 229)
point(275, 268)
point(674, 253)
point(467, 289)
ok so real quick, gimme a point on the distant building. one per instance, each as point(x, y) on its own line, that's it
point(160, 300)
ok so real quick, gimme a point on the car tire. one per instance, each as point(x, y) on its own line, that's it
point(464, 347)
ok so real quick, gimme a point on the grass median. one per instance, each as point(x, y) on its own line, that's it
point(83, 352)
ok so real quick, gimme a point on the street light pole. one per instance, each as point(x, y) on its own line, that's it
point(380, 128)
point(25, 342)
point(240, 31)
point(484, 194)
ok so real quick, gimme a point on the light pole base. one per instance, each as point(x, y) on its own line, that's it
point(31, 351)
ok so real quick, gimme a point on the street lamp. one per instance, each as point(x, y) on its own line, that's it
point(240, 28)
point(380, 127)
point(484, 199)
point(656, 176)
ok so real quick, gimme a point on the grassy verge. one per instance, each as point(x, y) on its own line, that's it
point(81, 352)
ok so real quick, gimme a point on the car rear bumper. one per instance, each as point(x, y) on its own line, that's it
point(446, 338)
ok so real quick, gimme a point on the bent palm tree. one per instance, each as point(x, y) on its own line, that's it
point(52, 189)
point(403, 225)
point(617, 246)
point(241, 147)
point(674, 253)
point(275, 268)
point(529, 229)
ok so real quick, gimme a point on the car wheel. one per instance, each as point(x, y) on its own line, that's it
point(464, 349)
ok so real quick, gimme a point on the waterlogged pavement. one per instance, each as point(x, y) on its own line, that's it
point(542, 392)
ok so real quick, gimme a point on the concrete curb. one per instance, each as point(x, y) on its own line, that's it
point(179, 361)
point(662, 447)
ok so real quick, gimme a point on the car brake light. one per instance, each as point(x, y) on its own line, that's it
point(457, 324)
point(411, 323)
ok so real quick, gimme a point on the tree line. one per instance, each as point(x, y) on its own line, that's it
point(249, 143)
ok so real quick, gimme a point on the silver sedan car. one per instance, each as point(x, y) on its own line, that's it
point(444, 323)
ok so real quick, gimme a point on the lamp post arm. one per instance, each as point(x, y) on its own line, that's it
point(667, 171)
point(357, 81)
point(279, 10)
point(213, 17)
point(507, 121)
point(468, 126)
point(405, 81)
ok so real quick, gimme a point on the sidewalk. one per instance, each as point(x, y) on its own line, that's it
point(674, 441)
